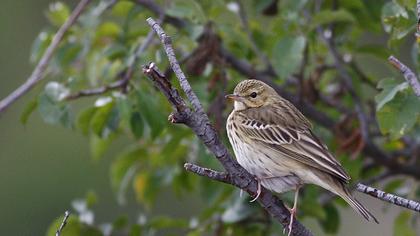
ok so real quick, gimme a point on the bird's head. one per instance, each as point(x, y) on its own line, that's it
point(251, 94)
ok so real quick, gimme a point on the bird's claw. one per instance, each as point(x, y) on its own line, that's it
point(258, 190)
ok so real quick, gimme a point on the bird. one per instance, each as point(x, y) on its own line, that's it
point(274, 142)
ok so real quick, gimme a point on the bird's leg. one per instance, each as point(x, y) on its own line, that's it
point(293, 211)
point(258, 190)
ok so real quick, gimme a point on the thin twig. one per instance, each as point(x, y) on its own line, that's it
point(376, 193)
point(418, 20)
point(63, 223)
point(388, 197)
point(408, 74)
point(166, 41)
point(38, 73)
point(199, 122)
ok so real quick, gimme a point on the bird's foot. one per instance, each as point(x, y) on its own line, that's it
point(258, 190)
point(293, 212)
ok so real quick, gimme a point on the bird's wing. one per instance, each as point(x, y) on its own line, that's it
point(290, 135)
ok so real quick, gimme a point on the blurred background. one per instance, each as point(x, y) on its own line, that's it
point(44, 168)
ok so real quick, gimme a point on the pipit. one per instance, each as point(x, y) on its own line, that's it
point(273, 141)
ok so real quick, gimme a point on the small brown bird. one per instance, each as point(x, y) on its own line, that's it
point(273, 141)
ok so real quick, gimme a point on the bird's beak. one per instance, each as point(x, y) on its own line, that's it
point(234, 97)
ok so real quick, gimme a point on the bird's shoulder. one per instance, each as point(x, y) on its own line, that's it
point(281, 113)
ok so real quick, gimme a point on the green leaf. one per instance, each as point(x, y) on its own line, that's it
point(136, 124)
point(53, 112)
point(402, 226)
point(390, 87)
point(74, 227)
point(67, 54)
point(99, 145)
point(161, 222)
point(91, 199)
point(108, 29)
point(393, 185)
point(187, 9)
point(84, 119)
point(28, 110)
point(288, 54)
point(391, 11)
point(149, 112)
point(122, 8)
point(40, 45)
point(399, 115)
point(101, 118)
point(56, 91)
point(328, 16)
point(58, 13)
point(123, 163)
point(332, 221)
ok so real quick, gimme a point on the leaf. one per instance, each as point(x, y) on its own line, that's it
point(58, 13)
point(146, 186)
point(40, 45)
point(123, 163)
point(99, 145)
point(393, 185)
point(136, 124)
point(390, 87)
point(56, 91)
point(391, 11)
point(399, 115)
point(84, 119)
point(332, 221)
point(28, 110)
point(108, 29)
point(288, 54)
point(161, 222)
point(67, 54)
point(328, 16)
point(53, 112)
point(100, 122)
point(187, 9)
point(122, 8)
point(153, 117)
point(402, 226)
point(74, 227)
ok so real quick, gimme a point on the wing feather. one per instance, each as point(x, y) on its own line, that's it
point(290, 137)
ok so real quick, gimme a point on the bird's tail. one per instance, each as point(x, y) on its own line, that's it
point(356, 205)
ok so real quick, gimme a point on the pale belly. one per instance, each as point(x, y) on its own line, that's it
point(274, 173)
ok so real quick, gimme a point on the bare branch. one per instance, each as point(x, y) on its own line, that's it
point(223, 177)
point(387, 197)
point(408, 74)
point(63, 223)
point(166, 41)
point(38, 73)
point(418, 20)
point(199, 122)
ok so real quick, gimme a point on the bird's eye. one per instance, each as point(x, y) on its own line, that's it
point(253, 95)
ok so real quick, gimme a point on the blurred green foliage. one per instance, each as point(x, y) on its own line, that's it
point(100, 48)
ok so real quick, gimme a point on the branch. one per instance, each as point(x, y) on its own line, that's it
point(387, 197)
point(199, 122)
point(376, 193)
point(418, 20)
point(38, 73)
point(408, 74)
point(167, 44)
point(63, 223)
point(209, 173)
